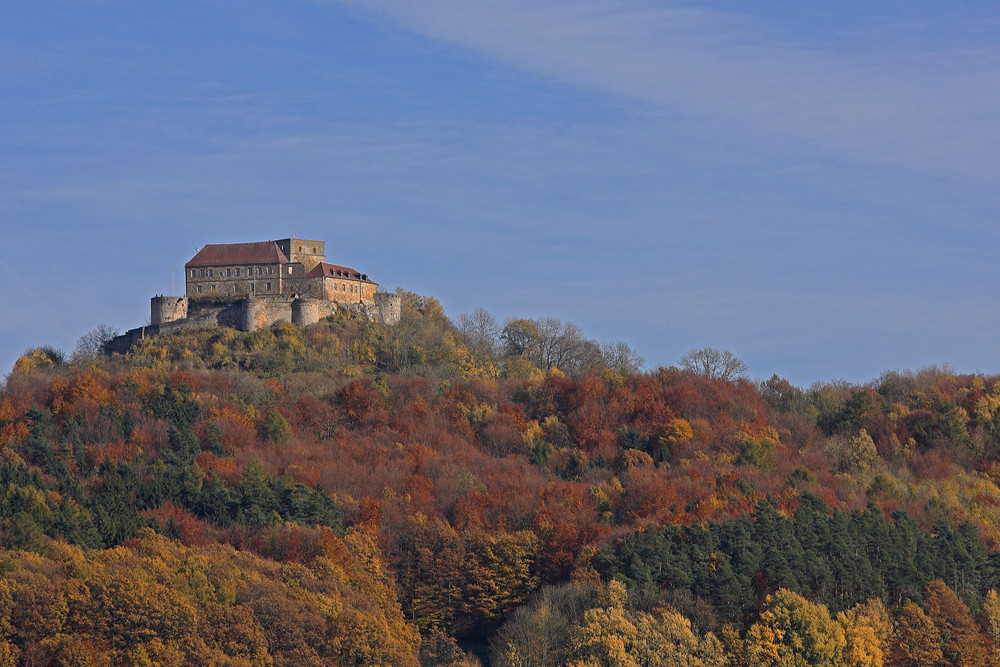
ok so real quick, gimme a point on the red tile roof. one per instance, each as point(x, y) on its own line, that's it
point(229, 254)
point(336, 271)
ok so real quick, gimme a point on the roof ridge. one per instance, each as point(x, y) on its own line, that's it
point(250, 252)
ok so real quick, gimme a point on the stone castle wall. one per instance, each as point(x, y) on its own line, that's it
point(310, 311)
point(165, 309)
point(262, 313)
point(172, 314)
point(388, 308)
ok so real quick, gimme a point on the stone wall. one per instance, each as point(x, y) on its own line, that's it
point(348, 290)
point(259, 313)
point(164, 309)
point(233, 281)
point(248, 314)
point(388, 308)
point(310, 311)
point(308, 252)
point(211, 313)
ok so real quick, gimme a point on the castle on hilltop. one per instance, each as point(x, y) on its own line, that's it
point(292, 268)
point(247, 286)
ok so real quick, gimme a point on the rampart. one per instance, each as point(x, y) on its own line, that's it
point(172, 314)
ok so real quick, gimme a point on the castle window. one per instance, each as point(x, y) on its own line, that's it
point(269, 270)
point(236, 288)
point(201, 273)
point(229, 272)
point(192, 273)
point(210, 273)
point(289, 270)
point(269, 287)
point(260, 270)
point(300, 248)
point(199, 289)
point(213, 288)
point(237, 269)
point(314, 251)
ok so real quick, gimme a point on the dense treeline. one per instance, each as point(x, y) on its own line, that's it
point(154, 601)
point(587, 623)
point(838, 558)
point(506, 471)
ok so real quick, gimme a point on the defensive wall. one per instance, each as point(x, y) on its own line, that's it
point(171, 314)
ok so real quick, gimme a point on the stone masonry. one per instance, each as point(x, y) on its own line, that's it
point(248, 286)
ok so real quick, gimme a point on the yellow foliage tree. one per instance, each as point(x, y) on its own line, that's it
point(612, 636)
point(157, 602)
point(793, 631)
point(917, 641)
point(991, 608)
point(868, 632)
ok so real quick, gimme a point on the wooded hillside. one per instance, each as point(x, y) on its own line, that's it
point(354, 494)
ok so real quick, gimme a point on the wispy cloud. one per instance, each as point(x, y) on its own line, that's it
point(907, 101)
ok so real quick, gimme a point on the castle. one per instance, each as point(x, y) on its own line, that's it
point(247, 286)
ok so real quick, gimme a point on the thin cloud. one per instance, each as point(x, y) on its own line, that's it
point(909, 102)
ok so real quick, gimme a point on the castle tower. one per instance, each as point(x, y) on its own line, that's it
point(163, 309)
point(309, 253)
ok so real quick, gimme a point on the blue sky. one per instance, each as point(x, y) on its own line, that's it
point(813, 188)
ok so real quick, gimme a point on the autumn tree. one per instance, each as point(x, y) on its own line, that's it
point(620, 358)
point(961, 642)
point(481, 333)
point(93, 343)
point(991, 609)
point(537, 633)
point(868, 632)
point(859, 453)
point(615, 636)
point(917, 641)
point(714, 364)
point(794, 631)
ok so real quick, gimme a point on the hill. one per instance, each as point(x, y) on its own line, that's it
point(351, 493)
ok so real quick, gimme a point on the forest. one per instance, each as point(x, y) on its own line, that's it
point(473, 492)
